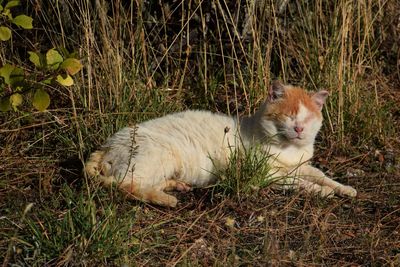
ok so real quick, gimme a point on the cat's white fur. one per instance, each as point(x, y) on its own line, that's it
point(181, 150)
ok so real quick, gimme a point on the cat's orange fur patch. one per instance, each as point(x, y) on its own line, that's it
point(290, 103)
point(129, 187)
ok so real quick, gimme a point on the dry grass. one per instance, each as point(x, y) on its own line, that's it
point(142, 60)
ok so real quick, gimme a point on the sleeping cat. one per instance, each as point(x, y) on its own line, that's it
point(181, 150)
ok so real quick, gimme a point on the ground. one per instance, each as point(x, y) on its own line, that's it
point(52, 215)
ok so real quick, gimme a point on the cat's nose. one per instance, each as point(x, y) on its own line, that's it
point(298, 129)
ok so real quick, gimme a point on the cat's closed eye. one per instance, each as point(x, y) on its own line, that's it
point(291, 117)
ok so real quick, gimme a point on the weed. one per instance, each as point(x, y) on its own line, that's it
point(82, 230)
point(247, 172)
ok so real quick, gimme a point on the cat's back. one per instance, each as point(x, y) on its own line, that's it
point(188, 117)
point(190, 120)
point(180, 142)
point(187, 127)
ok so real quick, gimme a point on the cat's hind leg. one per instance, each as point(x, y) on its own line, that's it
point(177, 185)
point(151, 194)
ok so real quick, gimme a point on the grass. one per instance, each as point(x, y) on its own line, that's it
point(247, 172)
point(93, 232)
point(143, 60)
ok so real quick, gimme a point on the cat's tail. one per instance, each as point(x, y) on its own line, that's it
point(95, 167)
point(98, 168)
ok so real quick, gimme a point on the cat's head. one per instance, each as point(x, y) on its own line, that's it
point(292, 115)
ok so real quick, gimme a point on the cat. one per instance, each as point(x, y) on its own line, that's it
point(181, 150)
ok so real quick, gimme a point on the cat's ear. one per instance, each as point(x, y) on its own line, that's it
point(276, 91)
point(320, 97)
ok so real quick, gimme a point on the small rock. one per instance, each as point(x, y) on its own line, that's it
point(260, 218)
point(230, 222)
point(353, 172)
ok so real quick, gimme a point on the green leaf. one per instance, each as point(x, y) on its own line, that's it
point(34, 58)
point(71, 65)
point(11, 4)
point(7, 13)
point(53, 59)
point(67, 81)
point(41, 100)
point(16, 100)
point(5, 72)
point(5, 104)
point(1, 8)
point(47, 81)
point(17, 75)
point(24, 21)
point(5, 33)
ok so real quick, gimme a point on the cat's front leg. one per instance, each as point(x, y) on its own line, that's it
point(322, 190)
point(288, 181)
point(314, 175)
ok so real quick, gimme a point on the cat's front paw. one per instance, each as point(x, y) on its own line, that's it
point(348, 191)
point(326, 191)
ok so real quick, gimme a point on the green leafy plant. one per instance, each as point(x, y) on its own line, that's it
point(7, 18)
point(56, 66)
point(50, 68)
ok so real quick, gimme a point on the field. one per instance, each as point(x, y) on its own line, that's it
point(145, 59)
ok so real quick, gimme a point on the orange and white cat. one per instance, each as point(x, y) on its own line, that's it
point(181, 150)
